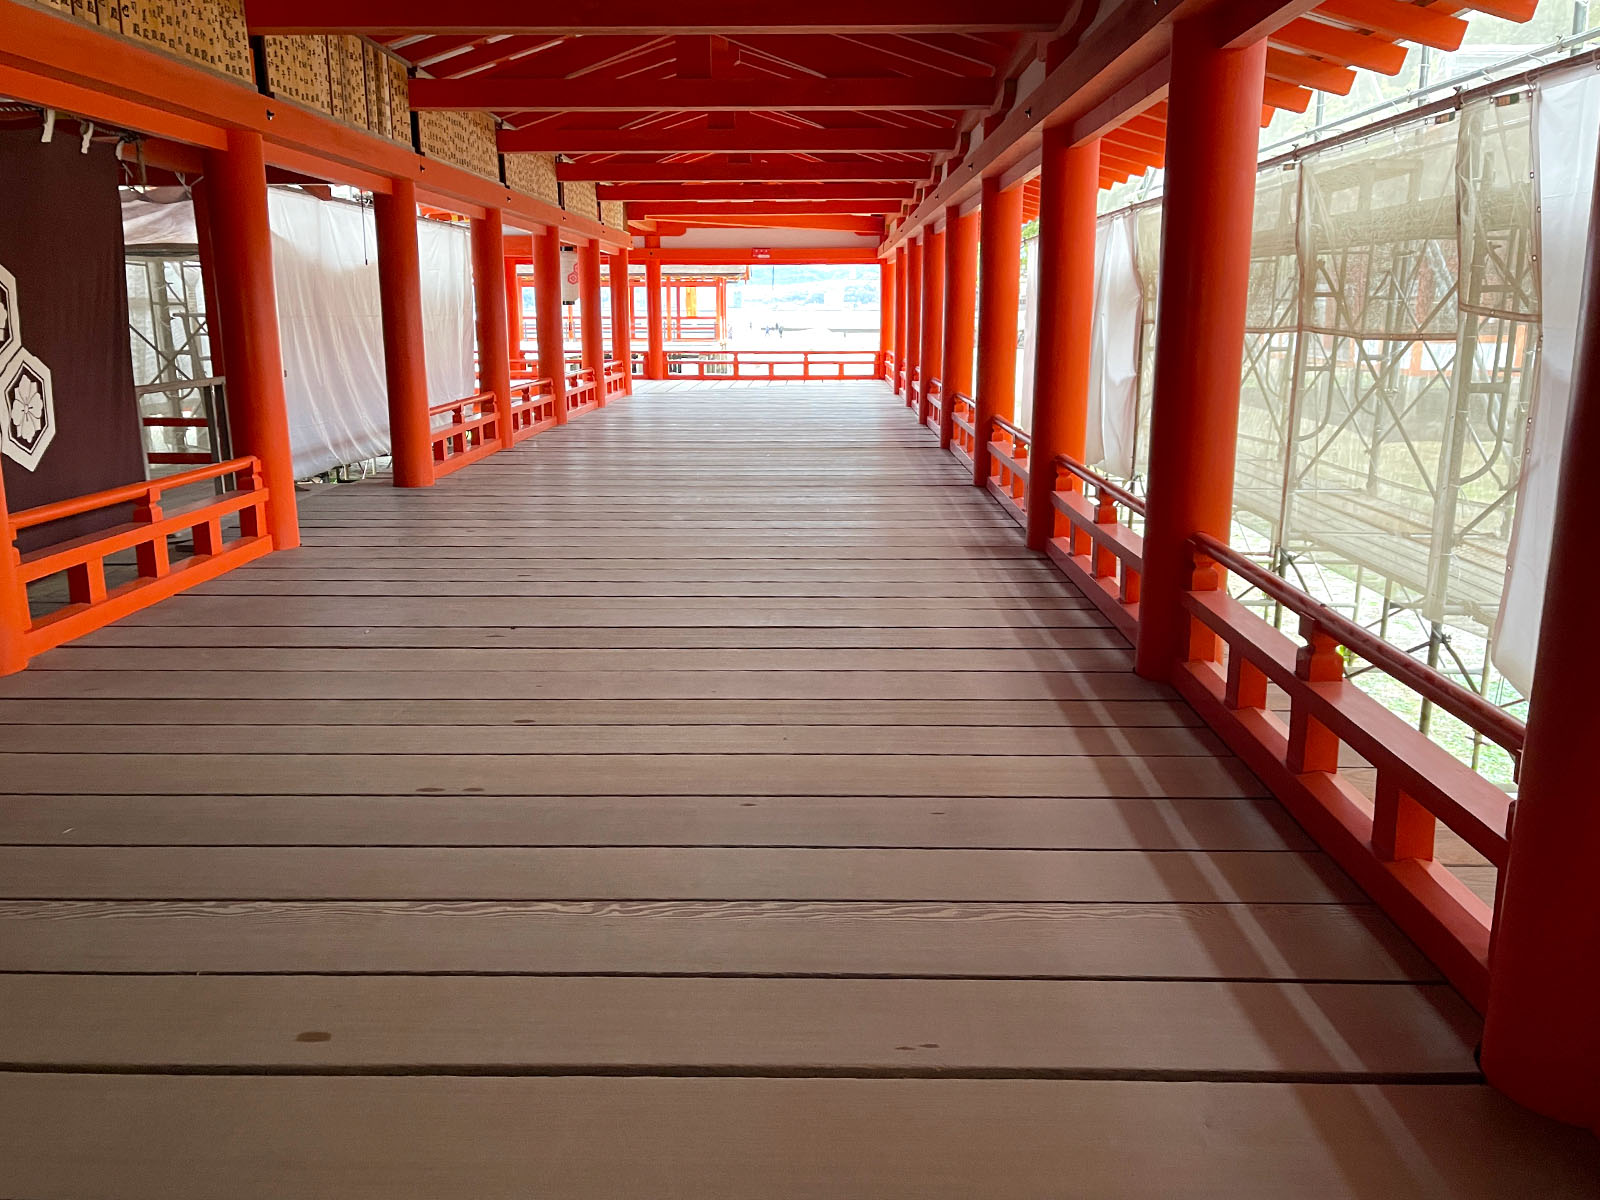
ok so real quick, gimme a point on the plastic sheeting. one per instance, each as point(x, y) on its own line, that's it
point(330, 318)
point(1114, 351)
point(1567, 129)
point(1030, 339)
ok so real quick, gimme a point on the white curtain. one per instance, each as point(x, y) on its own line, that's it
point(1567, 128)
point(1030, 336)
point(330, 319)
point(1114, 349)
point(325, 267)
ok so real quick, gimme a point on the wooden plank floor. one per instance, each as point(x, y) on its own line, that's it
point(708, 799)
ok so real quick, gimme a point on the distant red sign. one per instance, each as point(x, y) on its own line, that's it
point(760, 252)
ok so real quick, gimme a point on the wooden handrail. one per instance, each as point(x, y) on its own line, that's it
point(1123, 497)
point(1467, 706)
point(1017, 432)
point(482, 398)
point(149, 491)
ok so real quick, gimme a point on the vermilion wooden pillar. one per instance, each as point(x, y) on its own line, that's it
point(547, 301)
point(621, 317)
point(199, 196)
point(932, 317)
point(1213, 130)
point(885, 312)
point(901, 279)
point(400, 285)
point(593, 334)
point(722, 310)
point(655, 359)
point(489, 290)
point(1000, 285)
point(514, 314)
point(1069, 187)
point(247, 315)
point(913, 311)
point(960, 300)
point(1541, 1042)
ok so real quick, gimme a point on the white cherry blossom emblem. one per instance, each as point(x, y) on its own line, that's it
point(29, 409)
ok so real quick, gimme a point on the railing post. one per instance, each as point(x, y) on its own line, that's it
point(489, 290)
point(1069, 190)
point(514, 312)
point(594, 342)
point(902, 281)
point(1213, 132)
point(1541, 1043)
point(547, 300)
point(247, 315)
point(932, 333)
point(1312, 745)
point(913, 309)
point(400, 285)
point(960, 301)
point(655, 360)
point(999, 285)
point(621, 316)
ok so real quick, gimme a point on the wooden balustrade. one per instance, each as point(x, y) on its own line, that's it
point(613, 382)
point(92, 600)
point(1008, 468)
point(1383, 836)
point(963, 427)
point(935, 398)
point(1103, 557)
point(583, 391)
point(533, 409)
point(471, 432)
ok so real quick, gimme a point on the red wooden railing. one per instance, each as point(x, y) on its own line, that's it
point(583, 391)
point(1240, 673)
point(533, 409)
point(935, 400)
point(963, 428)
point(1008, 468)
point(913, 384)
point(891, 368)
point(472, 431)
point(771, 364)
point(1102, 556)
point(1385, 840)
point(91, 602)
point(613, 382)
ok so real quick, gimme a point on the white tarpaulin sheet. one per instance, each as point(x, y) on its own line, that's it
point(1030, 336)
point(325, 267)
point(1114, 349)
point(1567, 128)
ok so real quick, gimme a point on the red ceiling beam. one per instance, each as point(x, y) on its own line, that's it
point(484, 17)
point(759, 208)
point(673, 192)
point(779, 255)
point(1399, 19)
point(497, 93)
point(633, 170)
point(765, 138)
point(866, 226)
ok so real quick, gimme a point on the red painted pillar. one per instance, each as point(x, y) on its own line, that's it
point(247, 315)
point(885, 313)
point(621, 316)
point(722, 310)
point(514, 316)
point(1000, 285)
point(208, 277)
point(400, 283)
point(655, 359)
point(547, 301)
point(932, 316)
point(489, 290)
point(1541, 1042)
point(1213, 130)
point(1069, 188)
point(901, 280)
point(960, 301)
point(913, 312)
point(594, 341)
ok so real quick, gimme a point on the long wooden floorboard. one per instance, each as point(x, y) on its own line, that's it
point(711, 798)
